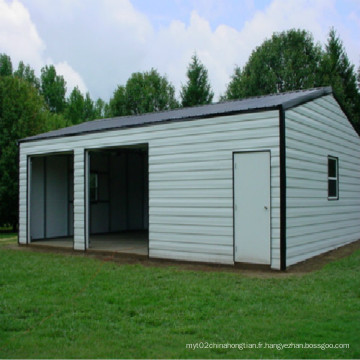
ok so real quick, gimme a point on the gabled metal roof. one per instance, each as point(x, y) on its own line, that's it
point(268, 102)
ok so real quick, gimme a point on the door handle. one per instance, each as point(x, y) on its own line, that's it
point(265, 207)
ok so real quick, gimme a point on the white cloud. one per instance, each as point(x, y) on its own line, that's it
point(71, 76)
point(282, 15)
point(18, 35)
point(128, 21)
point(108, 40)
point(315, 16)
point(224, 47)
point(20, 40)
point(219, 50)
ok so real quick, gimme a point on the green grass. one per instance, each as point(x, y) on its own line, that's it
point(6, 228)
point(8, 238)
point(61, 306)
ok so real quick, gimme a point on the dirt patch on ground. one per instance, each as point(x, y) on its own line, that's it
point(310, 265)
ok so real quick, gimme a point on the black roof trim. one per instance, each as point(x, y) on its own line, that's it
point(319, 92)
point(259, 103)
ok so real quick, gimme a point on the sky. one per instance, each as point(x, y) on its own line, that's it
point(97, 44)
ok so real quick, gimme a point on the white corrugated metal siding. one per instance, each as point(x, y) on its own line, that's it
point(315, 224)
point(37, 198)
point(190, 181)
point(24, 219)
point(79, 197)
point(57, 199)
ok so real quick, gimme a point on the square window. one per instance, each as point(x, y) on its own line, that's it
point(333, 178)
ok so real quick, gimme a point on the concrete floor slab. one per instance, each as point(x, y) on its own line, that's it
point(130, 242)
point(127, 242)
point(57, 242)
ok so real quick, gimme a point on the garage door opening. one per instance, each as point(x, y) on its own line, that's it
point(51, 208)
point(118, 215)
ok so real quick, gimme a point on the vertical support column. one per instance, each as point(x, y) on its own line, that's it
point(80, 211)
point(87, 198)
point(45, 197)
point(283, 198)
point(24, 192)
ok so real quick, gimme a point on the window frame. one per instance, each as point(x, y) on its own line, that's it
point(331, 178)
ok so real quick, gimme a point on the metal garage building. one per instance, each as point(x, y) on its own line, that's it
point(268, 180)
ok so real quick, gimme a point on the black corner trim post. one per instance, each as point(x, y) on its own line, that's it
point(282, 189)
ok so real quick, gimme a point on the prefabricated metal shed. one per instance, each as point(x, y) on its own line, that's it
point(270, 180)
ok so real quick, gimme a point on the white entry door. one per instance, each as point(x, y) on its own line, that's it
point(252, 207)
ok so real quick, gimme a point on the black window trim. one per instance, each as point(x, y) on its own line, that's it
point(331, 157)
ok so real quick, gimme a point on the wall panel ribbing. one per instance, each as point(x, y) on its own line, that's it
point(315, 224)
point(37, 198)
point(79, 199)
point(190, 180)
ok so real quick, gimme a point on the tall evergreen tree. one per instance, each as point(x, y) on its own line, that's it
point(337, 71)
point(89, 108)
point(100, 108)
point(6, 68)
point(118, 103)
point(27, 73)
point(74, 112)
point(235, 89)
point(53, 88)
point(80, 108)
point(197, 90)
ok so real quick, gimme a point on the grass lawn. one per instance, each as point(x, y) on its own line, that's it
point(8, 238)
point(62, 306)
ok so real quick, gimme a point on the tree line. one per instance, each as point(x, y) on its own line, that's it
point(292, 61)
point(289, 60)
